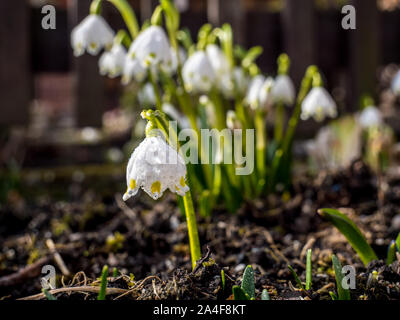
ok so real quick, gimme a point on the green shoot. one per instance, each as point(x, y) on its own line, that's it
point(343, 294)
point(398, 242)
point(351, 232)
point(248, 285)
point(296, 277)
point(115, 272)
point(391, 255)
point(239, 294)
point(48, 295)
point(223, 279)
point(103, 286)
point(308, 270)
point(333, 295)
point(265, 295)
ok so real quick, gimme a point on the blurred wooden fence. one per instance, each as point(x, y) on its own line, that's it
point(348, 58)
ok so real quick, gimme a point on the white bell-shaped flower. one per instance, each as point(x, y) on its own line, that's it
point(171, 69)
point(92, 34)
point(283, 90)
point(265, 95)
point(240, 79)
point(218, 60)
point(155, 167)
point(152, 48)
point(147, 96)
point(198, 73)
point(370, 117)
point(318, 104)
point(133, 70)
point(396, 84)
point(253, 92)
point(112, 62)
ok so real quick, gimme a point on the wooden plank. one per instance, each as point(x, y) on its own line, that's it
point(15, 76)
point(88, 86)
point(232, 12)
point(299, 37)
point(364, 55)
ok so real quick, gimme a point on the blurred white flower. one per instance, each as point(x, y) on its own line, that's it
point(155, 167)
point(265, 95)
point(283, 90)
point(92, 34)
point(146, 95)
point(240, 79)
point(133, 70)
point(396, 83)
point(370, 117)
point(112, 62)
point(174, 114)
point(174, 61)
point(218, 60)
point(253, 92)
point(232, 121)
point(198, 73)
point(152, 48)
point(319, 105)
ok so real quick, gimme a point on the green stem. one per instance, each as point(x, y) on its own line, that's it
point(279, 122)
point(128, 15)
point(122, 37)
point(95, 7)
point(156, 90)
point(194, 241)
point(260, 127)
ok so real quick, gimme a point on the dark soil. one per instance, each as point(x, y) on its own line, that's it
point(147, 241)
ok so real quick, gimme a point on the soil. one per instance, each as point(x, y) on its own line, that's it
point(147, 241)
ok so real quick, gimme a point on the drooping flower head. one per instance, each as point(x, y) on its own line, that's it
point(318, 104)
point(155, 167)
point(133, 70)
point(198, 73)
point(283, 90)
point(265, 95)
point(253, 92)
point(92, 34)
point(112, 62)
point(370, 117)
point(151, 48)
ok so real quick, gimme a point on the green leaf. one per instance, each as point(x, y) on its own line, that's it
point(296, 277)
point(265, 295)
point(391, 255)
point(343, 294)
point(398, 242)
point(248, 285)
point(308, 270)
point(103, 285)
point(239, 294)
point(351, 232)
point(48, 295)
point(333, 295)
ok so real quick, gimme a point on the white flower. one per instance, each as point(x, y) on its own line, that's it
point(253, 92)
point(92, 34)
point(146, 95)
point(283, 90)
point(240, 79)
point(198, 73)
point(370, 117)
point(218, 60)
point(265, 95)
point(152, 48)
point(232, 121)
point(318, 104)
point(155, 167)
point(174, 61)
point(133, 70)
point(112, 62)
point(396, 84)
point(174, 114)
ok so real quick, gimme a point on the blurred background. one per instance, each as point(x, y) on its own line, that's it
point(57, 111)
